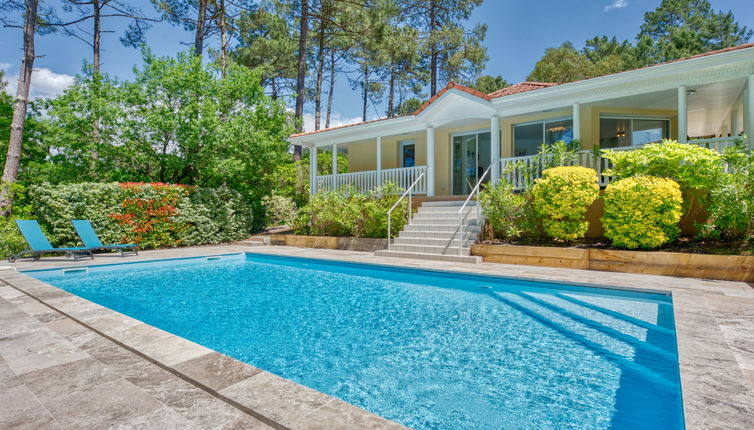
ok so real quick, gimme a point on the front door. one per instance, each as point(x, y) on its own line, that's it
point(471, 157)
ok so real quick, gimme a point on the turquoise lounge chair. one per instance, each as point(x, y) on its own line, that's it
point(39, 244)
point(90, 239)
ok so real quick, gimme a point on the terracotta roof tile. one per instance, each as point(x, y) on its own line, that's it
point(521, 88)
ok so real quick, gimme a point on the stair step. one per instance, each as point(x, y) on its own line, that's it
point(425, 256)
point(442, 227)
point(445, 209)
point(448, 203)
point(445, 235)
point(429, 221)
point(452, 217)
point(431, 242)
point(429, 249)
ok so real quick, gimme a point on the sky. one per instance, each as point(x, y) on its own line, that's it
point(518, 33)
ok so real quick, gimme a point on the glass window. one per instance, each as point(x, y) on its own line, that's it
point(408, 153)
point(649, 131)
point(558, 130)
point(617, 132)
point(528, 137)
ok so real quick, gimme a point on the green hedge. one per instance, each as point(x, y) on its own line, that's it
point(153, 215)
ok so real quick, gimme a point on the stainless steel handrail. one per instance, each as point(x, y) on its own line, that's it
point(408, 191)
point(461, 216)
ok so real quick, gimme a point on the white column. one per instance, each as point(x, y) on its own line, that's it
point(379, 160)
point(749, 110)
point(430, 161)
point(334, 165)
point(683, 129)
point(312, 170)
point(735, 127)
point(495, 148)
point(576, 121)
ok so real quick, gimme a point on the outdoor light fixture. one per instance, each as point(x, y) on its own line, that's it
point(690, 92)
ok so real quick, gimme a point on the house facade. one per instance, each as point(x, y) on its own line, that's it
point(460, 134)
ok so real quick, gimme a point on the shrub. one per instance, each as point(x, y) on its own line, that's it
point(373, 210)
point(349, 213)
point(279, 210)
point(11, 240)
point(329, 213)
point(642, 212)
point(213, 215)
point(508, 214)
point(561, 198)
point(731, 208)
point(153, 215)
point(697, 170)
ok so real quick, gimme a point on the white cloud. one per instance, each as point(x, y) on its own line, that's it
point(336, 120)
point(44, 82)
point(616, 4)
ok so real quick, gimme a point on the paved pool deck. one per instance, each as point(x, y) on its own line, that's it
point(66, 362)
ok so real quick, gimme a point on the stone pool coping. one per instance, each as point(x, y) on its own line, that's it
point(714, 325)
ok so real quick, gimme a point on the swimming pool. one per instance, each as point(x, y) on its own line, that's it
point(426, 349)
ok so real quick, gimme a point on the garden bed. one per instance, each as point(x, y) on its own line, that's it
point(683, 264)
point(329, 242)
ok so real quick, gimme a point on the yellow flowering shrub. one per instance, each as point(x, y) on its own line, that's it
point(561, 198)
point(642, 212)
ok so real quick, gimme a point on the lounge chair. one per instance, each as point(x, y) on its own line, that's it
point(38, 243)
point(90, 239)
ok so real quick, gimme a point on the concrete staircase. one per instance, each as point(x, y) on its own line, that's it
point(255, 241)
point(433, 233)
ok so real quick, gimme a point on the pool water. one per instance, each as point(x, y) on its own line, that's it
point(426, 349)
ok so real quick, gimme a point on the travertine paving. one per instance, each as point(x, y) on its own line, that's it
point(69, 363)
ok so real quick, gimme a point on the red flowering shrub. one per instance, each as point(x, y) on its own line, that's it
point(147, 212)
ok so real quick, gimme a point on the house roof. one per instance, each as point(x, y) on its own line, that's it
point(519, 88)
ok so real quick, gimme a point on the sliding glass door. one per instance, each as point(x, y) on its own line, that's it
point(470, 158)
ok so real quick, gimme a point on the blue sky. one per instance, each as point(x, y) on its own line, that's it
point(519, 32)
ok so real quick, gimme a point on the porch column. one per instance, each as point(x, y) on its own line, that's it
point(749, 111)
point(430, 161)
point(683, 131)
point(334, 166)
point(495, 148)
point(312, 170)
point(576, 121)
point(734, 125)
point(379, 160)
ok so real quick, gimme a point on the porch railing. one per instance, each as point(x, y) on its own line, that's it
point(403, 177)
point(520, 170)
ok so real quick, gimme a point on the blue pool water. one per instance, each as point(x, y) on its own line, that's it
point(429, 350)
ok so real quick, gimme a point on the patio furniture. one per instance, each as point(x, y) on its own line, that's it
point(90, 239)
point(38, 243)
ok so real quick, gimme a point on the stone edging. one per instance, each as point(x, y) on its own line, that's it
point(706, 266)
point(367, 244)
point(276, 401)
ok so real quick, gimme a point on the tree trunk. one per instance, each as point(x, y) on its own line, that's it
point(223, 40)
point(365, 94)
point(391, 93)
point(301, 76)
point(320, 72)
point(10, 172)
point(96, 34)
point(200, 21)
point(433, 47)
point(331, 89)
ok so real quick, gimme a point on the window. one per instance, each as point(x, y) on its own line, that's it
point(528, 137)
point(616, 132)
point(408, 153)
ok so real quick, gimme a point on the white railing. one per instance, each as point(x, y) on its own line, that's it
point(462, 216)
point(403, 177)
point(409, 191)
point(518, 170)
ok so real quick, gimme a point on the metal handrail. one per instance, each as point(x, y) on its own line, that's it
point(408, 191)
point(461, 216)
